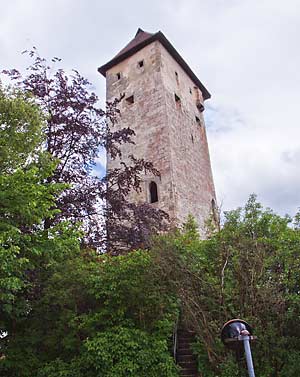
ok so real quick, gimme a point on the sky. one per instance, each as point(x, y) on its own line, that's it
point(246, 52)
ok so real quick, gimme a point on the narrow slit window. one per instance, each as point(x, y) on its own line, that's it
point(176, 75)
point(130, 100)
point(153, 192)
point(191, 91)
point(141, 63)
point(213, 204)
point(177, 101)
point(118, 76)
point(214, 210)
point(197, 120)
point(192, 137)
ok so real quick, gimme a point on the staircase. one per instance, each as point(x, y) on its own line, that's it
point(185, 358)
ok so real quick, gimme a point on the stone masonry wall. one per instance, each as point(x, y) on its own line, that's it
point(191, 168)
point(147, 117)
point(167, 131)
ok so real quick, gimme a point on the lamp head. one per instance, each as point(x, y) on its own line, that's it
point(232, 330)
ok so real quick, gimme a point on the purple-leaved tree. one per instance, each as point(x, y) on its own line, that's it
point(76, 129)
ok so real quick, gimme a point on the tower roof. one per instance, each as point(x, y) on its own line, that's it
point(143, 39)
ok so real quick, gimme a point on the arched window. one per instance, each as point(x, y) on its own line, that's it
point(153, 192)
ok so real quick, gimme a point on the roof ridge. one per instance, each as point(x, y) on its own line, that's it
point(139, 37)
point(139, 30)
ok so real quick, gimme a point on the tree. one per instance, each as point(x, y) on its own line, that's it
point(56, 301)
point(97, 315)
point(75, 130)
point(27, 200)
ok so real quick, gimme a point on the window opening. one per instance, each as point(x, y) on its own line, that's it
point(130, 100)
point(192, 137)
point(153, 192)
point(198, 97)
point(200, 106)
point(141, 63)
point(118, 75)
point(213, 204)
point(191, 91)
point(178, 101)
point(214, 210)
point(197, 120)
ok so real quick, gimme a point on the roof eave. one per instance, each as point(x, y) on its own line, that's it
point(169, 47)
point(159, 36)
point(104, 68)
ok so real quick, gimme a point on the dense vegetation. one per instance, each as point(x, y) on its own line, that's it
point(67, 310)
point(249, 269)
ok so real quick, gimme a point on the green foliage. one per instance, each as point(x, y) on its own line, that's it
point(65, 312)
point(69, 312)
point(118, 352)
point(125, 352)
point(27, 249)
point(250, 270)
point(100, 315)
point(20, 131)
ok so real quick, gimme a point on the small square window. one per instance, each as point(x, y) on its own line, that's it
point(118, 76)
point(130, 100)
point(200, 106)
point(141, 63)
point(177, 99)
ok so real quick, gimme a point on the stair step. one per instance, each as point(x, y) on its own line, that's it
point(184, 352)
point(189, 367)
point(187, 340)
point(187, 364)
point(185, 347)
point(184, 358)
point(191, 372)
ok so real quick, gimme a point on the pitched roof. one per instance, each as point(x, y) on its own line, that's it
point(139, 37)
point(143, 39)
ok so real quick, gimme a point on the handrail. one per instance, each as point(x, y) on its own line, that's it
point(175, 330)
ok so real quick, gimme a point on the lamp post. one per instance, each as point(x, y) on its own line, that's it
point(236, 333)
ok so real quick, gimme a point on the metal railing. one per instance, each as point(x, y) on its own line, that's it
point(175, 339)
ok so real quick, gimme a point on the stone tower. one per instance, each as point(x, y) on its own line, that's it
point(164, 104)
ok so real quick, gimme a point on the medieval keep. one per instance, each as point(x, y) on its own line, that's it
point(164, 104)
